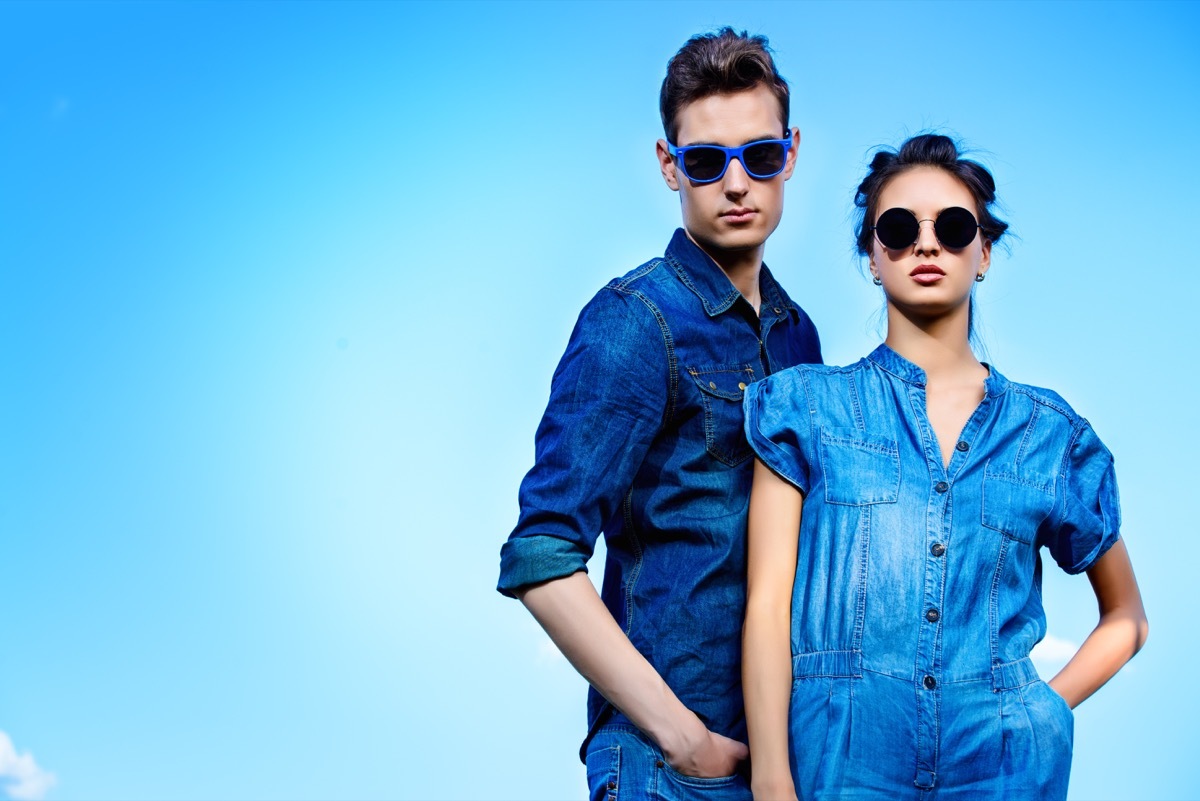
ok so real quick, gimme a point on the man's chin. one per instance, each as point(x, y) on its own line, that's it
point(733, 242)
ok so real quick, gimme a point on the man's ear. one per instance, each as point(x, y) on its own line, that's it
point(791, 156)
point(666, 163)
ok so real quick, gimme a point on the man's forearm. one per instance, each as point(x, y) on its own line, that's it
point(571, 612)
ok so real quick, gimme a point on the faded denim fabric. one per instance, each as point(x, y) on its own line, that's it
point(624, 765)
point(642, 439)
point(918, 586)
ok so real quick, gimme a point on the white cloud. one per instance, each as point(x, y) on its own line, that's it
point(23, 779)
point(1052, 653)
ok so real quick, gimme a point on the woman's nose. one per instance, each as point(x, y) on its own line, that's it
point(926, 238)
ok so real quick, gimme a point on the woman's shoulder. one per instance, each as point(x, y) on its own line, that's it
point(811, 374)
point(1045, 400)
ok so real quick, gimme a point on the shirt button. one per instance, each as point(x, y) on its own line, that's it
point(962, 446)
point(741, 385)
point(941, 486)
point(658, 763)
point(712, 385)
point(612, 785)
point(932, 616)
point(937, 549)
point(930, 682)
point(777, 310)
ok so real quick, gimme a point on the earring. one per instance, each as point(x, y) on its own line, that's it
point(875, 280)
point(979, 278)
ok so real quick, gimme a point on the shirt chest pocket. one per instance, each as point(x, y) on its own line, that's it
point(721, 390)
point(1015, 506)
point(859, 468)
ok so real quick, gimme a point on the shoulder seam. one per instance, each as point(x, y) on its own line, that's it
point(1039, 398)
point(621, 287)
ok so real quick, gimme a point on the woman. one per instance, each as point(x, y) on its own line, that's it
point(922, 484)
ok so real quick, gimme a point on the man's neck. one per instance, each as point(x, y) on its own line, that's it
point(741, 267)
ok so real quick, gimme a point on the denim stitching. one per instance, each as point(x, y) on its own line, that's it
point(852, 392)
point(860, 603)
point(994, 608)
point(668, 343)
point(1029, 428)
point(712, 311)
point(635, 545)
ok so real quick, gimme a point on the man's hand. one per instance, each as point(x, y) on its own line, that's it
point(572, 613)
point(704, 754)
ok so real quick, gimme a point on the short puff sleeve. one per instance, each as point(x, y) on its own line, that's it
point(778, 421)
point(1087, 521)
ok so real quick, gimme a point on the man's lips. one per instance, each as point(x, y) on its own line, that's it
point(738, 215)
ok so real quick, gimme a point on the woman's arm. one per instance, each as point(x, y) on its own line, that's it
point(1119, 635)
point(774, 528)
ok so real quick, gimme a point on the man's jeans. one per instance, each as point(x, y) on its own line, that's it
point(623, 765)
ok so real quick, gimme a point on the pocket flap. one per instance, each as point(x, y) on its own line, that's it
point(1015, 505)
point(723, 381)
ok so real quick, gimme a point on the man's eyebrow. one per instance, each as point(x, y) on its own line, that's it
point(766, 138)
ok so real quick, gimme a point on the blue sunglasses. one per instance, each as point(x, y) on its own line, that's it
point(703, 164)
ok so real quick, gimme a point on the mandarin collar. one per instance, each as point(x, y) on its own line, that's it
point(891, 362)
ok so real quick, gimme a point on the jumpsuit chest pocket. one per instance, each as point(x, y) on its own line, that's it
point(721, 390)
point(859, 468)
point(1016, 506)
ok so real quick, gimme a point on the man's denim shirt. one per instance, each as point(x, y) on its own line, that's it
point(643, 440)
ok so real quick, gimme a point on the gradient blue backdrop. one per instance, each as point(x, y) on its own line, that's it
point(282, 286)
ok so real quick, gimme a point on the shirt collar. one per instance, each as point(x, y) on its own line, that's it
point(888, 360)
point(709, 282)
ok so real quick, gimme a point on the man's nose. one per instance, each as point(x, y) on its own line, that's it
point(736, 182)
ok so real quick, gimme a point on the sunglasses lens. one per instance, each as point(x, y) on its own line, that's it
point(896, 228)
point(704, 163)
point(765, 159)
point(955, 227)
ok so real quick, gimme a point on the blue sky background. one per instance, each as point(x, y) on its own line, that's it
point(282, 286)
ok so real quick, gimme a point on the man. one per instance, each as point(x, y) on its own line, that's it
point(643, 440)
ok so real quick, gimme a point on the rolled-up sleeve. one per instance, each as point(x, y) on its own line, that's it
point(607, 403)
point(1088, 519)
point(779, 425)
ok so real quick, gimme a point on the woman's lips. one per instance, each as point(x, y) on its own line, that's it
point(926, 274)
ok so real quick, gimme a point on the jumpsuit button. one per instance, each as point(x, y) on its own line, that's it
point(941, 486)
point(932, 616)
point(937, 549)
point(962, 447)
point(930, 682)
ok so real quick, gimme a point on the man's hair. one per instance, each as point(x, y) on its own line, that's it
point(719, 63)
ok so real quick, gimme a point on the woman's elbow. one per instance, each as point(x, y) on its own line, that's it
point(1142, 631)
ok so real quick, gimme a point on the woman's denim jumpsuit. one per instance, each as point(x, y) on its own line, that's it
point(918, 586)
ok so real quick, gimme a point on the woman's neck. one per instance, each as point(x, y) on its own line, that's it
point(939, 347)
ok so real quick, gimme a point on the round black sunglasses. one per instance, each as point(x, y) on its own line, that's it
point(898, 228)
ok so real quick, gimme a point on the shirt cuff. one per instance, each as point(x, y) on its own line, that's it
point(532, 559)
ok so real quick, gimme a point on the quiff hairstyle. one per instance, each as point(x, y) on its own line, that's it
point(719, 63)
